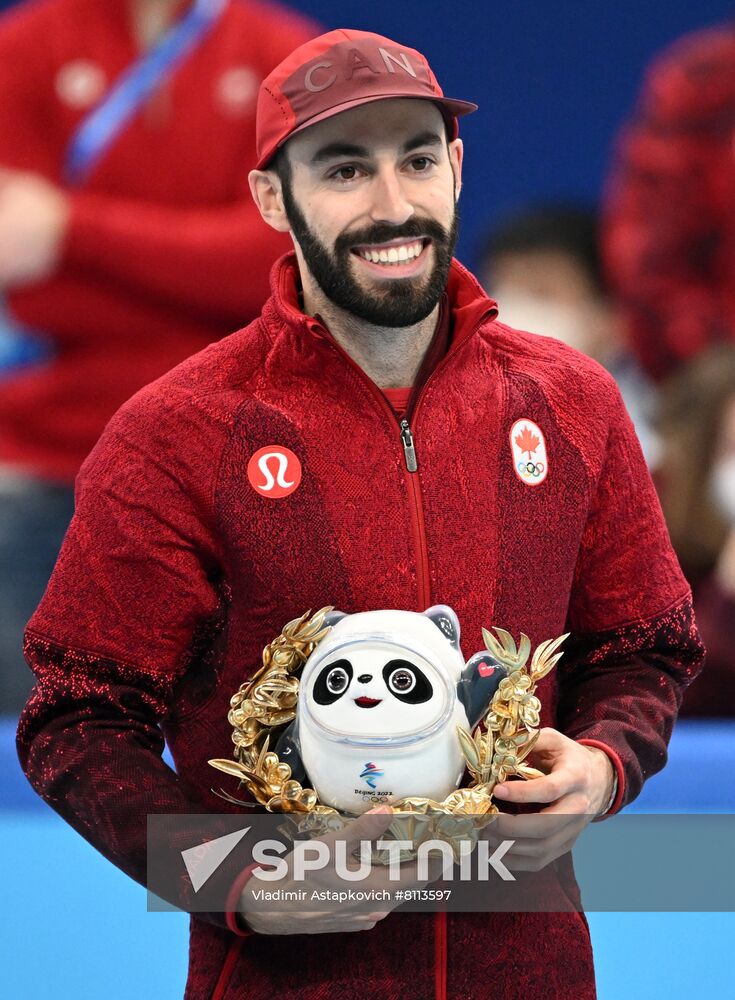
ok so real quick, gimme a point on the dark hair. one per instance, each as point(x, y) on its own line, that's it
point(567, 228)
point(281, 165)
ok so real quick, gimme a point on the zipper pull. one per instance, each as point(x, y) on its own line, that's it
point(408, 447)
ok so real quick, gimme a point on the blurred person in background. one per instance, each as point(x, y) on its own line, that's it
point(128, 238)
point(543, 267)
point(697, 486)
point(670, 229)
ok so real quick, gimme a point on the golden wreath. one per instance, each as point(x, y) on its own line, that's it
point(496, 750)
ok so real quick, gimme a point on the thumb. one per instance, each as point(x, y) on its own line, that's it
point(549, 740)
point(370, 826)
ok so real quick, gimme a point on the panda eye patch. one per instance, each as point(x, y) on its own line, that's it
point(407, 682)
point(332, 682)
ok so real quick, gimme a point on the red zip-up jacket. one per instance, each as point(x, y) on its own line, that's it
point(165, 250)
point(176, 571)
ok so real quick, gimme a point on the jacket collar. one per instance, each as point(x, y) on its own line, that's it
point(468, 302)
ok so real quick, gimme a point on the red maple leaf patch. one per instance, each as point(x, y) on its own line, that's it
point(527, 441)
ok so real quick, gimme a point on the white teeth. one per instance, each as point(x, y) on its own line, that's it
point(393, 255)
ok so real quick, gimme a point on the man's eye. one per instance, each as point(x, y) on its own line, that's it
point(421, 163)
point(348, 173)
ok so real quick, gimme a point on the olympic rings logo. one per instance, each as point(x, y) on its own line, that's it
point(531, 469)
point(528, 448)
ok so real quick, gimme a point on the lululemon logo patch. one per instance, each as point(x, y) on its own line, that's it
point(274, 471)
point(530, 459)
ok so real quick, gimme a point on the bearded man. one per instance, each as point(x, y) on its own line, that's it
point(376, 439)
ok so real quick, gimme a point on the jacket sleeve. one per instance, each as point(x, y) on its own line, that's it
point(665, 221)
point(213, 260)
point(133, 610)
point(634, 646)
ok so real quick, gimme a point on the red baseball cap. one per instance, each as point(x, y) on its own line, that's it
point(338, 71)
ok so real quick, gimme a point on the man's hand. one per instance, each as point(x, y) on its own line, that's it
point(34, 216)
point(341, 917)
point(577, 784)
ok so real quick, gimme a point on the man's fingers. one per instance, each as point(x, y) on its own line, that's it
point(572, 805)
point(549, 788)
point(516, 862)
point(370, 826)
point(544, 823)
point(547, 845)
point(316, 922)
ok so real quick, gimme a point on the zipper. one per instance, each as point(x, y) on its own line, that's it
point(416, 508)
point(440, 955)
point(408, 447)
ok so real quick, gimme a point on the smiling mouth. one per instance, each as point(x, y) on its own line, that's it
point(392, 254)
point(365, 702)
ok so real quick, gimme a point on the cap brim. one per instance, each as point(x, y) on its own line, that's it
point(450, 107)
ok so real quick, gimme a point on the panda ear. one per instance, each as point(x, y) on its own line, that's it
point(480, 680)
point(446, 621)
point(334, 616)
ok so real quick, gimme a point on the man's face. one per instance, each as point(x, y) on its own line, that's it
point(371, 201)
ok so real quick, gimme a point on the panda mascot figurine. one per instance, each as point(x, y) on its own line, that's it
point(380, 700)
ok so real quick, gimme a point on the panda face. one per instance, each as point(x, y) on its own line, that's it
point(403, 679)
point(374, 692)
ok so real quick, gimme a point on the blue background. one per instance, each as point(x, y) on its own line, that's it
point(555, 80)
point(76, 928)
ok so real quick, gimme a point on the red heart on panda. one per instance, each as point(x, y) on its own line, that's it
point(485, 669)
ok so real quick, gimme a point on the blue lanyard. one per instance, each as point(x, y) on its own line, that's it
point(102, 126)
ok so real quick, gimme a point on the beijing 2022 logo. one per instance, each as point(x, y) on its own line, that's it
point(370, 773)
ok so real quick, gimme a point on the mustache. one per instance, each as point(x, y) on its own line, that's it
point(383, 232)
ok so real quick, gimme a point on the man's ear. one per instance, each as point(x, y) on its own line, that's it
point(265, 187)
point(456, 155)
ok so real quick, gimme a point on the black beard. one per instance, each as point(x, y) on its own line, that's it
point(404, 301)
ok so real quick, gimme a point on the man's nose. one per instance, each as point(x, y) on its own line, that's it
point(390, 203)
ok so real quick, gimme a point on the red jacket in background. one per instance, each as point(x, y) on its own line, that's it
point(166, 251)
point(176, 572)
point(670, 214)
